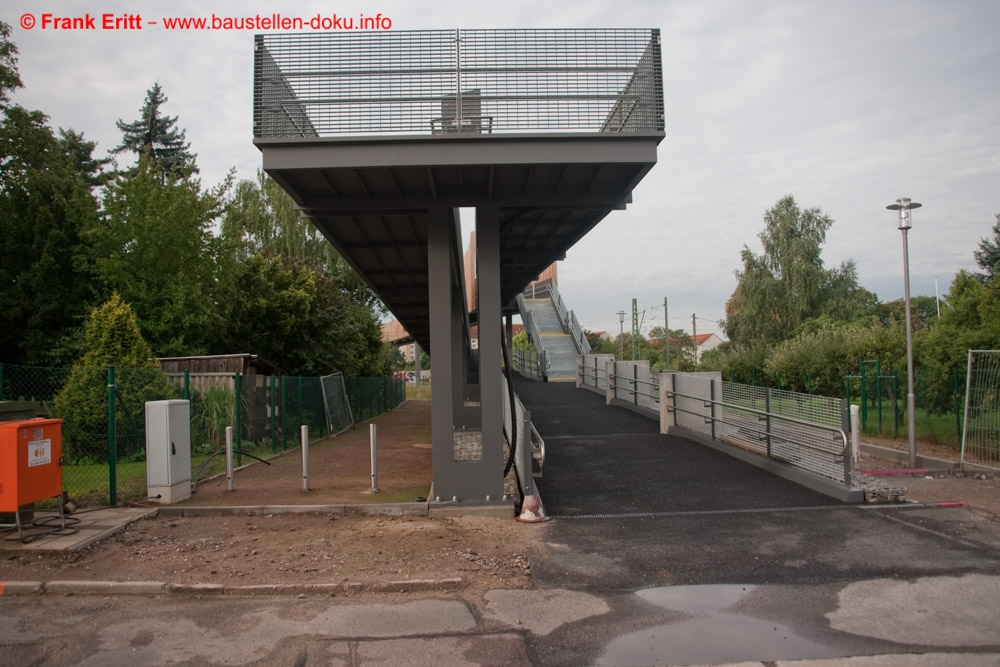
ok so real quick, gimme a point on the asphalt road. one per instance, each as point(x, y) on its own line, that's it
point(660, 552)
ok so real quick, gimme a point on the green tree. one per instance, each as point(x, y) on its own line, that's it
point(339, 328)
point(682, 349)
point(300, 320)
point(988, 254)
point(155, 134)
point(81, 156)
point(521, 341)
point(10, 78)
point(787, 284)
point(111, 338)
point(44, 294)
point(923, 311)
point(155, 246)
point(970, 320)
point(262, 219)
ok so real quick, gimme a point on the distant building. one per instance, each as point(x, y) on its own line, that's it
point(469, 264)
point(393, 331)
point(703, 343)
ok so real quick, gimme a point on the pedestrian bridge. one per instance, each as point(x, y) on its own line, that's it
point(380, 137)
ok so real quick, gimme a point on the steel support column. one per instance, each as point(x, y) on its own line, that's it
point(439, 271)
point(490, 352)
point(465, 480)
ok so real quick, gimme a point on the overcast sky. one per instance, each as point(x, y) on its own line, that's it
point(846, 105)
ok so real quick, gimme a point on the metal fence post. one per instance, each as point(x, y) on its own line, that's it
point(187, 385)
point(274, 420)
point(300, 400)
point(958, 403)
point(284, 409)
point(897, 418)
point(112, 440)
point(635, 384)
point(845, 426)
point(767, 409)
point(713, 407)
point(238, 385)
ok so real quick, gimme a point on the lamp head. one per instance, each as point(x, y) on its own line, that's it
point(904, 205)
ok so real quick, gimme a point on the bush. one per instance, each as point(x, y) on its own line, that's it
point(111, 339)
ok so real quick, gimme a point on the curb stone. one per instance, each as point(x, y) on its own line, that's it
point(20, 587)
point(163, 588)
point(105, 587)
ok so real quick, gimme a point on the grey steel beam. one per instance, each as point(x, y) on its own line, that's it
point(415, 203)
point(445, 151)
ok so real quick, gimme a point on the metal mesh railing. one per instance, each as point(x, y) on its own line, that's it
point(529, 363)
point(457, 81)
point(981, 435)
point(593, 371)
point(772, 425)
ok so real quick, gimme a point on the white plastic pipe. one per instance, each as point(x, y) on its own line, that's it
point(304, 430)
point(230, 482)
point(371, 431)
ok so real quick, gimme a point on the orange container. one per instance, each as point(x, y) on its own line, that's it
point(30, 466)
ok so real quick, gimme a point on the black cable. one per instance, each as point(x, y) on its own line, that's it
point(48, 528)
point(513, 413)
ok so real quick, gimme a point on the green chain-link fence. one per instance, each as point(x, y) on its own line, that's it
point(104, 441)
point(940, 397)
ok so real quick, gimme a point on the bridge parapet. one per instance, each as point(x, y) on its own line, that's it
point(455, 82)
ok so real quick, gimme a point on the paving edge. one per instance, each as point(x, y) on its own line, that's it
point(8, 588)
point(392, 509)
point(110, 532)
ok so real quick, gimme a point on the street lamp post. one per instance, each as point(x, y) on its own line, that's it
point(904, 206)
point(621, 335)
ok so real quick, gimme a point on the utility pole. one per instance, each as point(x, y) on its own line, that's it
point(694, 337)
point(635, 330)
point(666, 334)
point(621, 335)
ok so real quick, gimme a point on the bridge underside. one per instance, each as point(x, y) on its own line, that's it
point(389, 206)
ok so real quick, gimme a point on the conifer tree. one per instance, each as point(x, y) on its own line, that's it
point(80, 153)
point(988, 254)
point(156, 134)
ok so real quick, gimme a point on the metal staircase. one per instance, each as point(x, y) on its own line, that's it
point(553, 330)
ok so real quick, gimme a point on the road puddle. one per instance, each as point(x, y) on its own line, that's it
point(711, 634)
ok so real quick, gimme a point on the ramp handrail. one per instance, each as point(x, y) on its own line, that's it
point(767, 432)
point(534, 333)
point(530, 445)
point(582, 344)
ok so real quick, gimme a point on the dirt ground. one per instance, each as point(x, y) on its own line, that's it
point(294, 549)
point(310, 548)
point(978, 489)
point(314, 548)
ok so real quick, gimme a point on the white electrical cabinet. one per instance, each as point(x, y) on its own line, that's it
point(168, 450)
